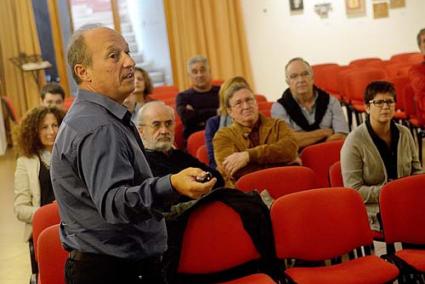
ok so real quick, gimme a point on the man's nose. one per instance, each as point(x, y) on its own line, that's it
point(128, 60)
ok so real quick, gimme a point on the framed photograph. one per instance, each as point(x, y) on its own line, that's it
point(296, 5)
point(380, 10)
point(355, 8)
point(397, 4)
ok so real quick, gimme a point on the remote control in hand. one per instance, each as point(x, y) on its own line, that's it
point(207, 177)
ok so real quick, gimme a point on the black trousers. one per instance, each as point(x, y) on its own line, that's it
point(88, 268)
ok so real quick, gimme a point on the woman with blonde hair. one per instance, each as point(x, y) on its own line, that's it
point(222, 119)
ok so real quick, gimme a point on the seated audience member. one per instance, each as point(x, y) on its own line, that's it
point(417, 76)
point(379, 150)
point(311, 112)
point(221, 120)
point(252, 141)
point(200, 102)
point(52, 94)
point(142, 89)
point(156, 122)
point(33, 187)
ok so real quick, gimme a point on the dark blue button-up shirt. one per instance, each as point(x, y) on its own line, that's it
point(109, 202)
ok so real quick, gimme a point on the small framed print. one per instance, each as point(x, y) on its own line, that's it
point(380, 10)
point(296, 5)
point(397, 4)
point(355, 8)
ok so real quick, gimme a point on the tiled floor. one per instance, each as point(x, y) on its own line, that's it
point(14, 256)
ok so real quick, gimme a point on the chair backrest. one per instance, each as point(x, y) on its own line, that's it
point(362, 62)
point(178, 135)
point(217, 82)
point(68, 102)
point(265, 108)
point(52, 257)
point(325, 76)
point(412, 57)
point(319, 224)
point(278, 181)
point(165, 97)
point(202, 154)
point(194, 141)
point(409, 101)
point(260, 98)
point(357, 80)
point(319, 157)
point(215, 240)
point(335, 175)
point(402, 206)
point(44, 217)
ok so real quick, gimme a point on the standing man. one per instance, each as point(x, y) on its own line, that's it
point(200, 102)
point(312, 113)
point(108, 199)
point(52, 94)
point(417, 77)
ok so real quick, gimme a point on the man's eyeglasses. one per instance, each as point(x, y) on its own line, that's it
point(380, 103)
point(295, 76)
point(239, 103)
point(156, 125)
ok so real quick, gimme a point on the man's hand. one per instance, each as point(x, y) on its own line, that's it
point(184, 182)
point(327, 132)
point(189, 107)
point(235, 162)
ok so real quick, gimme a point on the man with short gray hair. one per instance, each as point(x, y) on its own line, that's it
point(311, 112)
point(200, 102)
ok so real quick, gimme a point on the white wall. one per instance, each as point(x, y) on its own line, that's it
point(274, 36)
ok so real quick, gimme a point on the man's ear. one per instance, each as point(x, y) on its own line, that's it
point(82, 72)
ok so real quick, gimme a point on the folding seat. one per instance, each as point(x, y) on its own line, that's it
point(335, 175)
point(319, 225)
point(325, 77)
point(355, 83)
point(319, 157)
point(52, 257)
point(179, 141)
point(367, 62)
point(215, 241)
point(265, 108)
point(44, 217)
point(412, 57)
point(278, 181)
point(202, 154)
point(402, 210)
point(217, 82)
point(194, 141)
point(260, 98)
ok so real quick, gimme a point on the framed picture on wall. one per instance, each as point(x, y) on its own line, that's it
point(296, 5)
point(355, 7)
point(397, 4)
point(380, 10)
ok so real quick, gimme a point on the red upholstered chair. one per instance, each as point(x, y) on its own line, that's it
point(265, 108)
point(319, 157)
point(194, 141)
point(259, 278)
point(44, 217)
point(165, 97)
point(214, 241)
point(412, 57)
point(217, 82)
point(366, 62)
point(324, 224)
point(202, 154)
point(68, 102)
point(278, 181)
point(166, 89)
point(260, 98)
point(52, 257)
point(178, 135)
point(402, 209)
point(325, 77)
point(335, 175)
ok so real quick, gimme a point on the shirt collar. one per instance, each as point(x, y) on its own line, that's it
point(112, 106)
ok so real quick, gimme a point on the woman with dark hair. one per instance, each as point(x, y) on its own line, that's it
point(379, 150)
point(35, 140)
point(142, 89)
